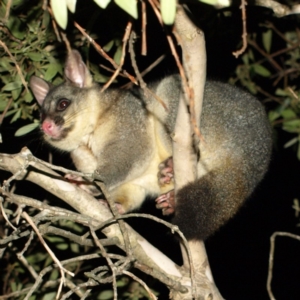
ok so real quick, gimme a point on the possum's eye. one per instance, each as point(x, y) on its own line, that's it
point(62, 104)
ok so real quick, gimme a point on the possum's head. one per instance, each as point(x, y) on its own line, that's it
point(60, 105)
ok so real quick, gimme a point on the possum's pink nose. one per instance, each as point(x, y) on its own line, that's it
point(51, 129)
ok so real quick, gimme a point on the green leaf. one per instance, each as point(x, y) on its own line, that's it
point(12, 86)
point(106, 295)
point(267, 40)
point(48, 261)
point(35, 56)
point(292, 126)
point(49, 296)
point(26, 129)
point(62, 246)
point(168, 11)
point(71, 4)
point(52, 70)
point(54, 274)
point(102, 3)
point(46, 19)
point(3, 101)
point(273, 115)
point(213, 2)
point(16, 27)
point(75, 248)
point(123, 281)
point(54, 239)
point(245, 59)
point(109, 45)
point(13, 286)
point(11, 112)
point(251, 55)
point(251, 87)
point(102, 79)
point(60, 12)
point(291, 142)
point(118, 55)
point(281, 92)
point(130, 6)
point(288, 114)
point(5, 62)
point(16, 93)
point(259, 69)
point(28, 97)
point(37, 257)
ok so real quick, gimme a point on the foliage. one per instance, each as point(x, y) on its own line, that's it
point(275, 74)
point(16, 275)
point(168, 8)
point(27, 48)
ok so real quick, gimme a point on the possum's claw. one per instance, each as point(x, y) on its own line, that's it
point(165, 174)
point(166, 202)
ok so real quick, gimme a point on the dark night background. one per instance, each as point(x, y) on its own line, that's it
point(238, 252)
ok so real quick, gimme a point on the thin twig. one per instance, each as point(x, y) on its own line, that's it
point(142, 283)
point(178, 63)
point(100, 50)
point(143, 29)
point(124, 40)
point(271, 258)
point(5, 216)
point(244, 35)
point(67, 42)
point(62, 269)
point(115, 212)
point(55, 28)
point(145, 71)
point(265, 54)
point(16, 64)
point(6, 109)
point(27, 265)
point(270, 25)
point(109, 261)
point(142, 83)
point(8, 6)
point(156, 11)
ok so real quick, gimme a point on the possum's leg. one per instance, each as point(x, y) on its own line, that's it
point(165, 174)
point(92, 189)
point(166, 201)
point(89, 187)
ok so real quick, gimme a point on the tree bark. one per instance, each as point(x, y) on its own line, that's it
point(186, 137)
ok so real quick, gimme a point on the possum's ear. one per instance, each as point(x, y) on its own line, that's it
point(76, 72)
point(40, 88)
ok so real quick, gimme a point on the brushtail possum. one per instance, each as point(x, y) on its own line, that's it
point(122, 137)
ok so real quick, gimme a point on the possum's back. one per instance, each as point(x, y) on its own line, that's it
point(234, 123)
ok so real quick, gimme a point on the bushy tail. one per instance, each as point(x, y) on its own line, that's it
point(209, 202)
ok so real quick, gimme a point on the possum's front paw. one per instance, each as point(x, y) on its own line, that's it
point(165, 174)
point(166, 202)
point(87, 186)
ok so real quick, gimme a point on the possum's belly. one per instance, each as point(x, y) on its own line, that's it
point(149, 182)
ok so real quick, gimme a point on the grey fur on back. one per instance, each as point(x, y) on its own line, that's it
point(234, 156)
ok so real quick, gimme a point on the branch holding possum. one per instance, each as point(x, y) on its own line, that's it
point(185, 141)
point(25, 166)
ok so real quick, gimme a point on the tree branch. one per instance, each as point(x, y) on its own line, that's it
point(185, 143)
point(88, 206)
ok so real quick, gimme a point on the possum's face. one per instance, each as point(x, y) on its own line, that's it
point(58, 107)
point(65, 114)
point(58, 112)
